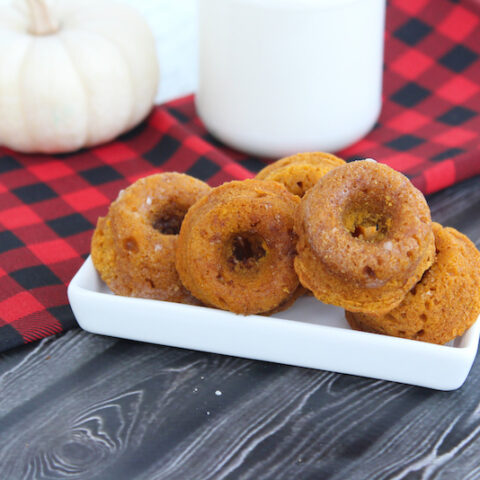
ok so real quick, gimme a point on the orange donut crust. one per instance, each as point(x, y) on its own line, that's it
point(445, 302)
point(300, 172)
point(286, 304)
point(236, 247)
point(129, 250)
point(365, 237)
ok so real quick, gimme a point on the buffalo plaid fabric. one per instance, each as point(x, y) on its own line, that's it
point(429, 129)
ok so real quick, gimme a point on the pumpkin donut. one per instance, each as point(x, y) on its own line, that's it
point(365, 237)
point(133, 247)
point(300, 172)
point(445, 302)
point(236, 247)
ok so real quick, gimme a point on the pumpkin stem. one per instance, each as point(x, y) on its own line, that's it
point(41, 20)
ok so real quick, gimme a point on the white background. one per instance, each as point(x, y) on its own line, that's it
point(174, 25)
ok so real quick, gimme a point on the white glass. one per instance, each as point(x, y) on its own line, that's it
point(278, 77)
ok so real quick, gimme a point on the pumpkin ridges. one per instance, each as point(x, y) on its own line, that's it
point(84, 88)
point(141, 72)
point(121, 119)
point(129, 121)
point(21, 103)
point(11, 112)
point(50, 79)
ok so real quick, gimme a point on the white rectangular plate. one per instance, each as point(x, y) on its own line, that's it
point(308, 334)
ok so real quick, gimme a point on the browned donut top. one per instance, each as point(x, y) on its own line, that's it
point(443, 304)
point(159, 201)
point(300, 172)
point(236, 247)
point(133, 247)
point(366, 223)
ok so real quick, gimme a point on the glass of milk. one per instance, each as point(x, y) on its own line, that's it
point(277, 77)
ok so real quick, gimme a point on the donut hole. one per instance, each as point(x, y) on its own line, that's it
point(369, 226)
point(245, 250)
point(169, 221)
point(369, 272)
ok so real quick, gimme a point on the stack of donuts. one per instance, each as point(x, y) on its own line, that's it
point(357, 235)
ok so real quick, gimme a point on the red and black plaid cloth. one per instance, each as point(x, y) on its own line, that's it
point(429, 129)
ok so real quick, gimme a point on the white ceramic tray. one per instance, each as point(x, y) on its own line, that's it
point(308, 334)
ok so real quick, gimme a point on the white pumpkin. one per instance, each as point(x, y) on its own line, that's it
point(73, 73)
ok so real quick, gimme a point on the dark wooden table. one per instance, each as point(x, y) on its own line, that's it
point(82, 406)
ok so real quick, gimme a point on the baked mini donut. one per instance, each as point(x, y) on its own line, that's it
point(236, 247)
point(443, 304)
point(133, 247)
point(300, 172)
point(365, 237)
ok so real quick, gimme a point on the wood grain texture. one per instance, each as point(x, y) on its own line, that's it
point(83, 406)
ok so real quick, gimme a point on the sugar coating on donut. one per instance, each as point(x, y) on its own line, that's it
point(236, 247)
point(300, 172)
point(365, 237)
point(443, 304)
point(133, 247)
